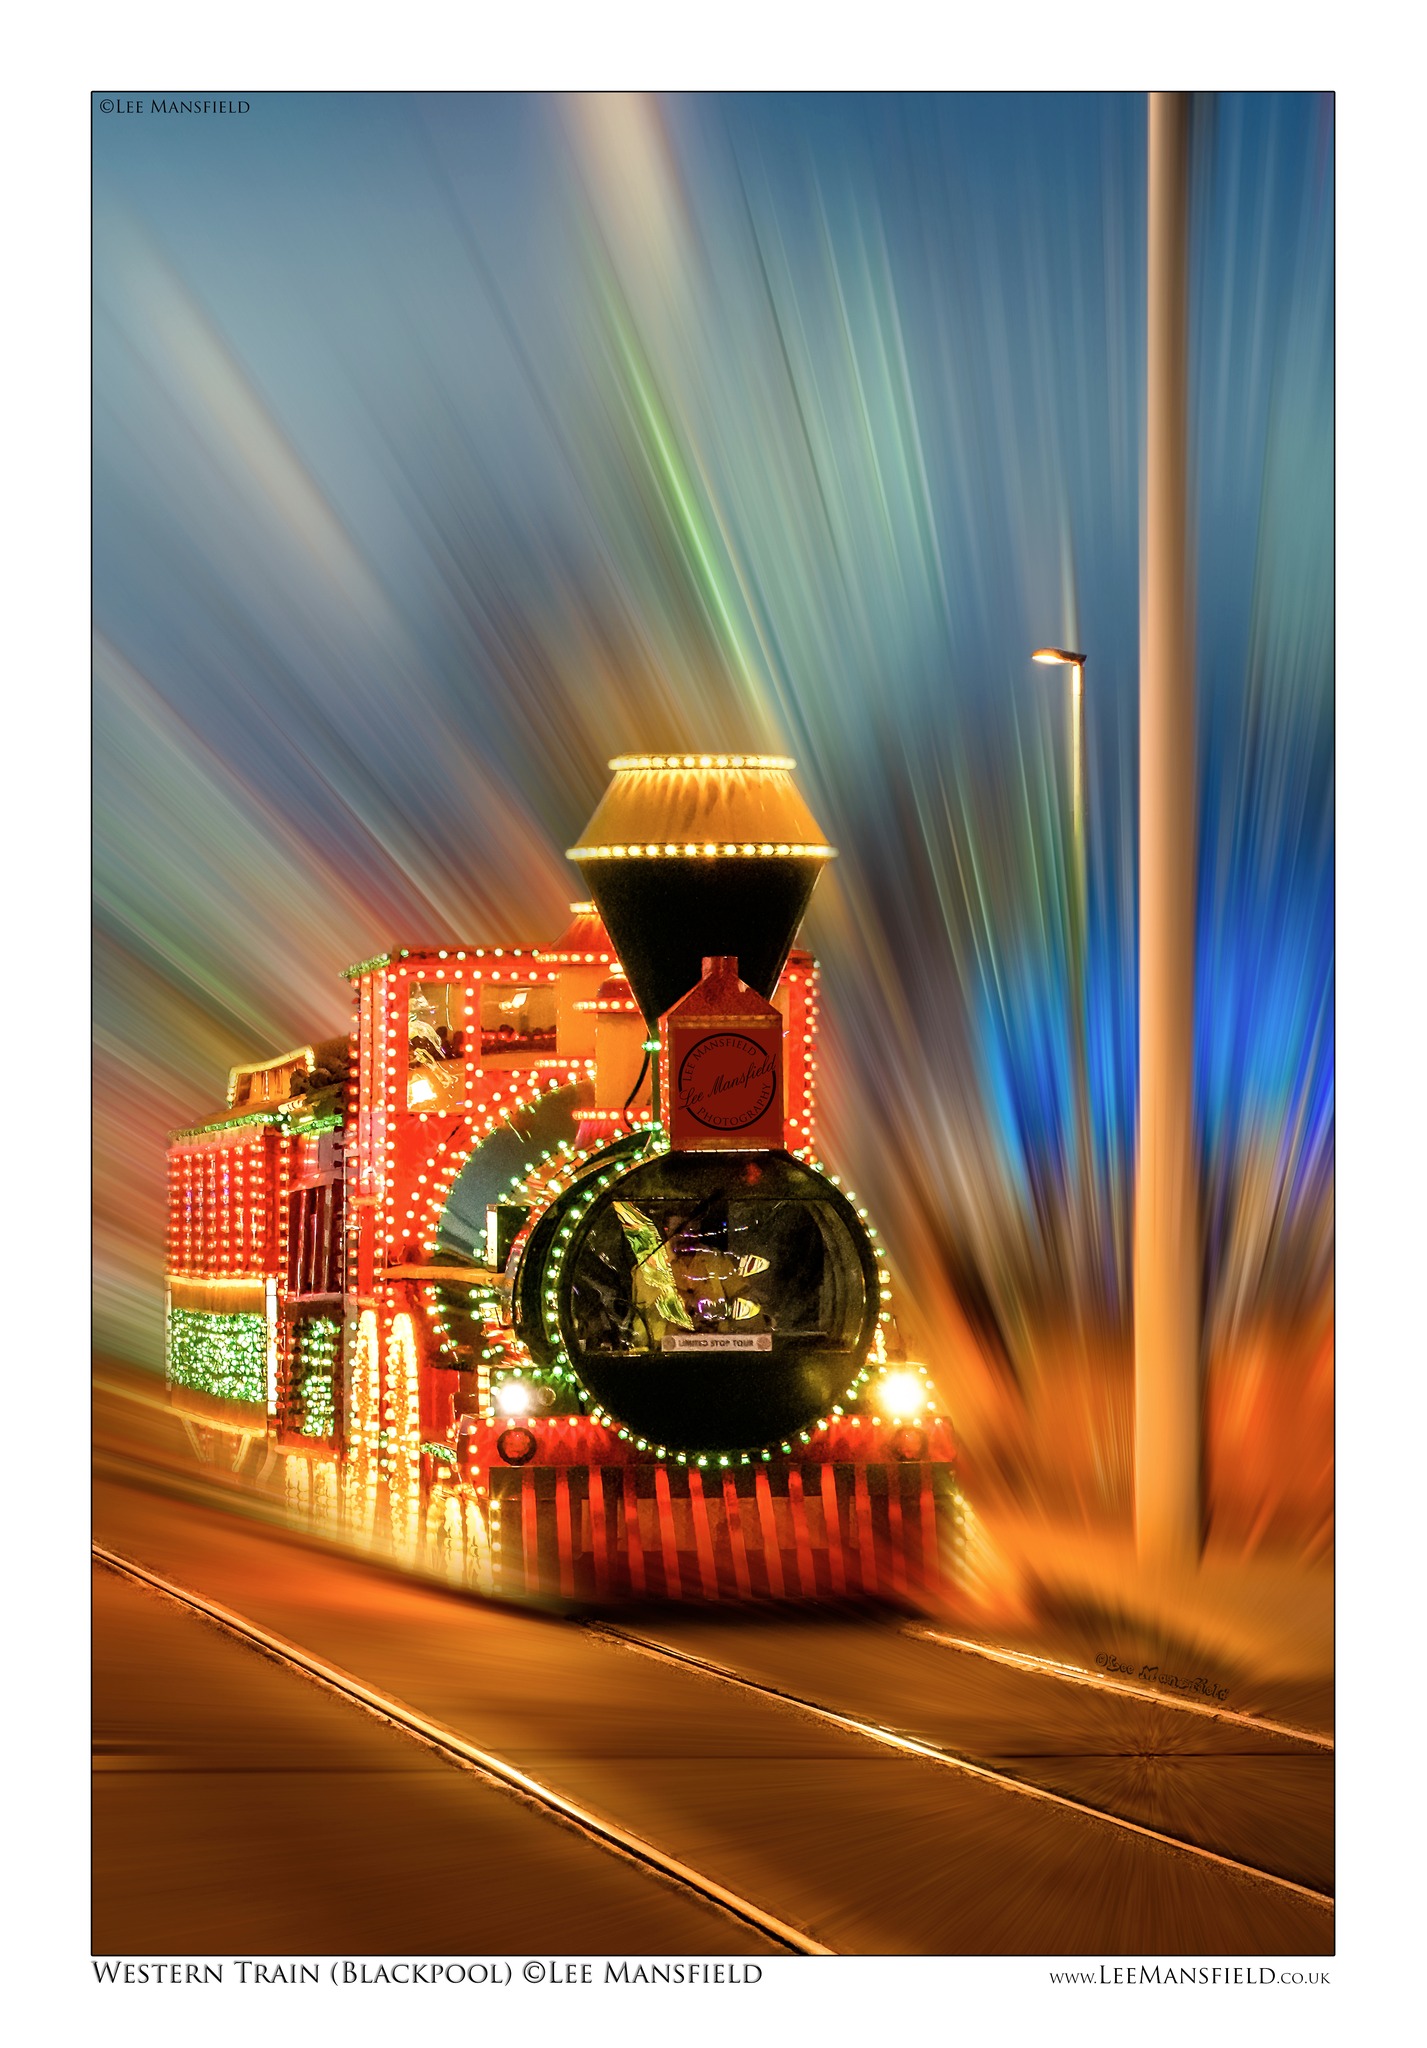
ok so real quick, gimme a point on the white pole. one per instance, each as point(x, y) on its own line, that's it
point(1167, 1309)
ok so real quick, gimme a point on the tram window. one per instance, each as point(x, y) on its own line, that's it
point(517, 1020)
point(436, 1017)
point(266, 1084)
point(787, 1269)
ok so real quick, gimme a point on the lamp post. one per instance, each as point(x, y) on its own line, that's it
point(1167, 1305)
point(1062, 657)
point(1065, 657)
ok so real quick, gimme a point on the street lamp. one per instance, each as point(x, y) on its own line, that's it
point(1065, 657)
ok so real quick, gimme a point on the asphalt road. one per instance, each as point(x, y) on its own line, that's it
point(238, 1804)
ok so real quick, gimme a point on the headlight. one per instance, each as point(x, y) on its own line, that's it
point(900, 1393)
point(515, 1397)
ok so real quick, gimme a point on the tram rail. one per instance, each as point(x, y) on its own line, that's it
point(456, 1749)
point(609, 1834)
point(914, 1747)
point(933, 1753)
point(1077, 1674)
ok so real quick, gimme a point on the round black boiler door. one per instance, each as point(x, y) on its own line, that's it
point(717, 1300)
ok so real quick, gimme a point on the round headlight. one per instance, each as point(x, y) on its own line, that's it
point(900, 1393)
point(714, 1300)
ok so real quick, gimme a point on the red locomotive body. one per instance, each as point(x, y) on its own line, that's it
point(484, 1317)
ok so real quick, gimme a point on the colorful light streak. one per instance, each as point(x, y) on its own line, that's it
point(803, 445)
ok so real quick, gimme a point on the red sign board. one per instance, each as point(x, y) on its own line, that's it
point(721, 1066)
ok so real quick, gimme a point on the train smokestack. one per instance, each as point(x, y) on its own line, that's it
point(689, 855)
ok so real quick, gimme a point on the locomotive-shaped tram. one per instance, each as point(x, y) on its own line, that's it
point(536, 1281)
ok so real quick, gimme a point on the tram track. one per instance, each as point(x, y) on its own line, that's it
point(222, 1490)
point(1077, 1674)
point(700, 1830)
point(456, 1749)
point(1145, 1774)
point(935, 1754)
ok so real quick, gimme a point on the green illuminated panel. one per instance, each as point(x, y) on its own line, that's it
point(318, 1338)
point(223, 1356)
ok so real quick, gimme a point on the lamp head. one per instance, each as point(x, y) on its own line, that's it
point(1057, 655)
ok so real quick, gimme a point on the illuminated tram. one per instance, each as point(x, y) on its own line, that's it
point(535, 1280)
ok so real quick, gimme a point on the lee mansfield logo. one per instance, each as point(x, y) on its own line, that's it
point(117, 105)
point(1150, 1674)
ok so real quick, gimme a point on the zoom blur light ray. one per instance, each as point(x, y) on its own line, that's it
point(410, 512)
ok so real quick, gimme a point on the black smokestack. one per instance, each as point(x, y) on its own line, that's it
point(696, 854)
